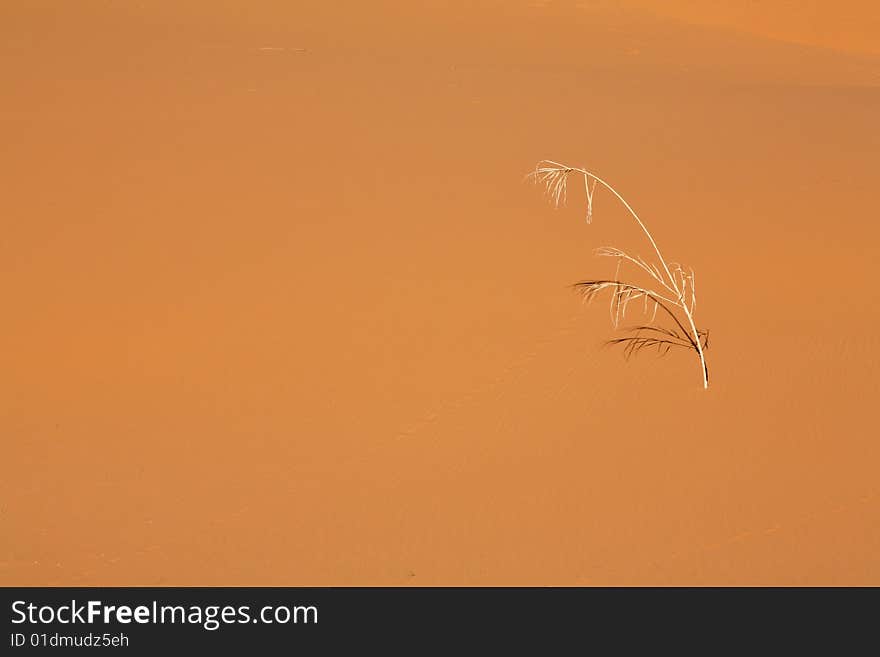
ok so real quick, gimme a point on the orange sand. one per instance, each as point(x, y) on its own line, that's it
point(278, 309)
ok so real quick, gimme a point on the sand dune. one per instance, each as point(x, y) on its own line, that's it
point(279, 309)
point(850, 25)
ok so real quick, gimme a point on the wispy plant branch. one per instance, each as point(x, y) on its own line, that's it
point(676, 290)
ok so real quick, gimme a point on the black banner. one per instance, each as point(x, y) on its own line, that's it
point(147, 620)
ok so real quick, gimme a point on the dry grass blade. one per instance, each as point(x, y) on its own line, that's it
point(673, 288)
point(622, 293)
point(635, 344)
point(669, 333)
point(554, 178)
point(638, 261)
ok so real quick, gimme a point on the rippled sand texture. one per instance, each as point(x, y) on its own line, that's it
point(279, 309)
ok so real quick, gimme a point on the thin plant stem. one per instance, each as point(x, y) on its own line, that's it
point(554, 176)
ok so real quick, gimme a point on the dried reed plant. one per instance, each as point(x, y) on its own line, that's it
point(671, 288)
